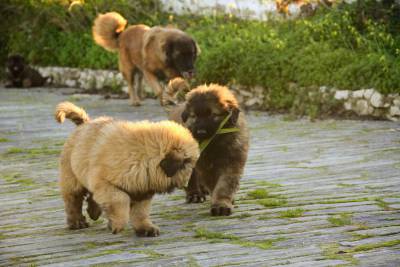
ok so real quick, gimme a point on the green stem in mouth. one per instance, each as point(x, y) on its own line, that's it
point(221, 130)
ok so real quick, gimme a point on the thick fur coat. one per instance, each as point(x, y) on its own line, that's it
point(157, 53)
point(221, 163)
point(119, 166)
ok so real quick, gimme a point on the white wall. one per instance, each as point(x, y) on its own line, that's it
point(249, 9)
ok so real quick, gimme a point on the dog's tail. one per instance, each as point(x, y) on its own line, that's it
point(106, 29)
point(72, 112)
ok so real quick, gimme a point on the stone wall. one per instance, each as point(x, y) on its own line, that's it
point(369, 102)
point(365, 102)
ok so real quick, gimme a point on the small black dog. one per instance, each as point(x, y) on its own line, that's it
point(20, 74)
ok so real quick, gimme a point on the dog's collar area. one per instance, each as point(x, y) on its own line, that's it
point(221, 130)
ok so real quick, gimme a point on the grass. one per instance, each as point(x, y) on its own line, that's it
point(265, 199)
point(303, 54)
point(16, 178)
point(4, 140)
point(340, 200)
point(292, 213)
point(258, 194)
point(220, 237)
point(333, 252)
point(340, 220)
point(33, 152)
point(271, 202)
point(357, 236)
point(367, 247)
point(267, 184)
point(381, 203)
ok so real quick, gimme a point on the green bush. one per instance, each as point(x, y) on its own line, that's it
point(352, 46)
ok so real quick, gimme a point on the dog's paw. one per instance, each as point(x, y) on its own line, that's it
point(221, 210)
point(148, 231)
point(75, 224)
point(135, 103)
point(115, 228)
point(195, 197)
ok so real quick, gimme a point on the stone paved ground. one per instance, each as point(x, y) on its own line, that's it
point(313, 194)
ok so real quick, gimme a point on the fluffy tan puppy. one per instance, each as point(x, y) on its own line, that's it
point(118, 166)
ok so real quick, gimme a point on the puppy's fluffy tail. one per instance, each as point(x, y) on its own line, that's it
point(106, 29)
point(72, 112)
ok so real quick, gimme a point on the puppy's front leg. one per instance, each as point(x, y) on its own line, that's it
point(140, 218)
point(115, 203)
point(223, 195)
point(194, 194)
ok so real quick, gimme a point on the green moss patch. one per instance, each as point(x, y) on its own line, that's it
point(340, 220)
point(258, 194)
point(32, 152)
point(221, 237)
point(292, 213)
point(367, 247)
point(271, 202)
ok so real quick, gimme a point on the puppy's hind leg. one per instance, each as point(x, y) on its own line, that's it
point(73, 194)
point(140, 218)
point(93, 209)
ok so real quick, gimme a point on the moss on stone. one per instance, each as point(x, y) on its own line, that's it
point(217, 237)
point(258, 194)
point(271, 202)
point(292, 213)
point(366, 247)
point(340, 220)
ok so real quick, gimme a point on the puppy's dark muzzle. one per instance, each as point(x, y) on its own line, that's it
point(201, 134)
point(188, 74)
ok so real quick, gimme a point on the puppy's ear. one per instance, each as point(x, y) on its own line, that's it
point(235, 115)
point(169, 51)
point(171, 164)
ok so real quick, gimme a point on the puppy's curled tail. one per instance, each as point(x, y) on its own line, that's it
point(106, 29)
point(72, 112)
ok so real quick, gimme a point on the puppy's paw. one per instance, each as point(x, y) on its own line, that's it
point(148, 231)
point(115, 228)
point(135, 103)
point(79, 223)
point(221, 209)
point(195, 197)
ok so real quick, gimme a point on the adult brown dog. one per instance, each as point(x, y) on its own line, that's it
point(221, 163)
point(20, 74)
point(156, 53)
point(118, 166)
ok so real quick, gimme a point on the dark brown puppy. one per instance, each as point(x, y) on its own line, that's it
point(158, 54)
point(221, 163)
point(19, 74)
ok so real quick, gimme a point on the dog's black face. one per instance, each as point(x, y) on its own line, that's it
point(204, 113)
point(15, 64)
point(181, 55)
